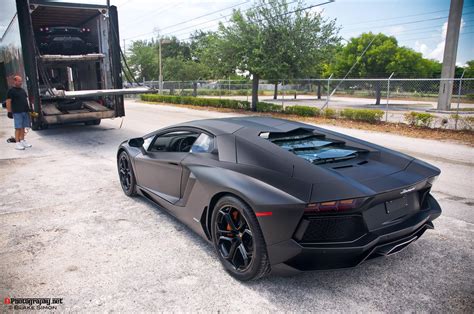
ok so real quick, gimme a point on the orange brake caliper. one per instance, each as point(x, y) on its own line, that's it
point(235, 214)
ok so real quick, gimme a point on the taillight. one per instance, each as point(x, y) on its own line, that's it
point(88, 29)
point(41, 29)
point(46, 29)
point(83, 29)
point(333, 206)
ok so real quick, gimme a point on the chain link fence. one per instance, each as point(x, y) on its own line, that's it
point(382, 89)
point(395, 96)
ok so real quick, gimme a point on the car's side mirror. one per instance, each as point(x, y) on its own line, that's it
point(214, 151)
point(138, 143)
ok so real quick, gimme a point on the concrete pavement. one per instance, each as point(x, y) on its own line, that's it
point(67, 230)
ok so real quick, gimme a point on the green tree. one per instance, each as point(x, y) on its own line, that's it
point(382, 58)
point(469, 69)
point(143, 60)
point(271, 40)
point(177, 61)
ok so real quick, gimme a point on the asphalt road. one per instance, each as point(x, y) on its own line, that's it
point(68, 231)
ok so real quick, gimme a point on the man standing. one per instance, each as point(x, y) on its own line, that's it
point(19, 111)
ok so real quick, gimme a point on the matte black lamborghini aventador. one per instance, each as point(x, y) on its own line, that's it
point(279, 195)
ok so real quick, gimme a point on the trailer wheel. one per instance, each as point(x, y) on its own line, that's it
point(38, 125)
point(93, 122)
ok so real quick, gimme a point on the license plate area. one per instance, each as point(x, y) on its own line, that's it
point(398, 204)
point(392, 211)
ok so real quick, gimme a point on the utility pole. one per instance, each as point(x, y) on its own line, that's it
point(160, 76)
point(449, 57)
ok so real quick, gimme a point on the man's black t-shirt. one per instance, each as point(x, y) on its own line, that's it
point(19, 99)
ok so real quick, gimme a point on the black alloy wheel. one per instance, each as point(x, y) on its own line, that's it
point(126, 175)
point(238, 239)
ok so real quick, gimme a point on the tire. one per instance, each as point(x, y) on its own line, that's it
point(243, 238)
point(126, 174)
point(93, 122)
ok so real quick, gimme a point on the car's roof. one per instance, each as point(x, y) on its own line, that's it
point(244, 125)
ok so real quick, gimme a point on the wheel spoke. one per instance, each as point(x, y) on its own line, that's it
point(230, 222)
point(225, 239)
point(247, 232)
point(233, 250)
point(243, 253)
point(226, 232)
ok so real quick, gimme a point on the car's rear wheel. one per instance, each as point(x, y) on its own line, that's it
point(126, 175)
point(238, 239)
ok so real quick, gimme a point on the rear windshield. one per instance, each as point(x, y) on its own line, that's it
point(315, 148)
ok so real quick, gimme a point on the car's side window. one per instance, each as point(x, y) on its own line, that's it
point(176, 141)
point(203, 144)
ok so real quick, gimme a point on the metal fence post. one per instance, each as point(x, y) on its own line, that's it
point(388, 96)
point(329, 88)
point(459, 100)
point(283, 94)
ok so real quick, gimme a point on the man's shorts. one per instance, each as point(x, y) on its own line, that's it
point(21, 120)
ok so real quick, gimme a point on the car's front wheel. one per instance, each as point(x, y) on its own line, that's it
point(238, 239)
point(126, 175)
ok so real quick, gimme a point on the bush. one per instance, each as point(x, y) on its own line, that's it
point(367, 115)
point(304, 111)
point(329, 113)
point(211, 102)
point(467, 121)
point(189, 100)
point(419, 119)
point(267, 107)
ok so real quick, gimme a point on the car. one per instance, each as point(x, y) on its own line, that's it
point(281, 196)
point(64, 40)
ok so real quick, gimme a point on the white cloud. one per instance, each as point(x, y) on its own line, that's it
point(421, 47)
point(438, 52)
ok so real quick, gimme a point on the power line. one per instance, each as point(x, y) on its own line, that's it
point(402, 17)
point(287, 13)
point(157, 12)
point(197, 18)
point(411, 22)
point(424, 30)
point(419, 38)
point(212, 20)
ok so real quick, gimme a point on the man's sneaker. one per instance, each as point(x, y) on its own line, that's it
point(25, 144)
point(19, 146)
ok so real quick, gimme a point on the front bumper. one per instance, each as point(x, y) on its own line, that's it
point(291, 256)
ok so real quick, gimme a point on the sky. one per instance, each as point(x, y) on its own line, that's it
point(417, 24)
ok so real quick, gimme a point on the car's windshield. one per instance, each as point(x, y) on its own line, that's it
point(315, 148)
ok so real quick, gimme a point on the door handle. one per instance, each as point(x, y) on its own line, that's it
point(173, 163)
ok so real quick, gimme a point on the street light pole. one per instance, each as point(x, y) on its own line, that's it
point(160, 42)
point(160, 83)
